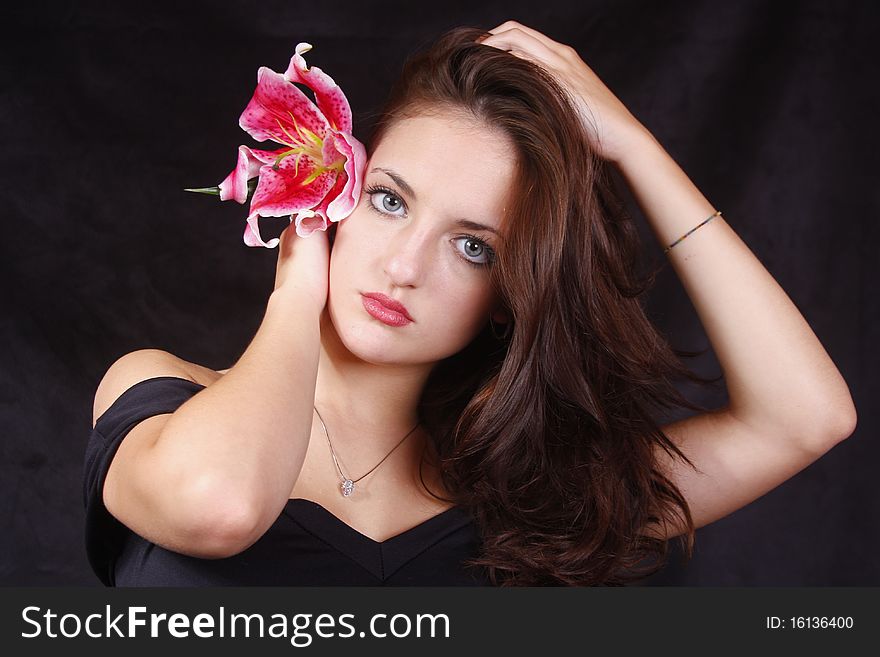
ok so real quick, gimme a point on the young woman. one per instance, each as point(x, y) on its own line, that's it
point(457, 384)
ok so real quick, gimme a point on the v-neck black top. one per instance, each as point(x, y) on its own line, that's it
point(306, 546)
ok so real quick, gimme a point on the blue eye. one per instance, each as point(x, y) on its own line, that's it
point(474, 247)
point(389, 202)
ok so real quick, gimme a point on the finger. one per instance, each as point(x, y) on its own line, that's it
point(521, 40)
point(523, 45)
point(540, 36)
point(287, 240)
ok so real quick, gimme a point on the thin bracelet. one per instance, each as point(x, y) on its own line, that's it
point(702, 223)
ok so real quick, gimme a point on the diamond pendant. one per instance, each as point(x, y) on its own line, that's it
point(347, 487)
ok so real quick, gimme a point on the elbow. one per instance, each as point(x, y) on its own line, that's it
point(226, 524)
point(845, 424)
point(226, 531)
point(844, 418)
point(833, 430)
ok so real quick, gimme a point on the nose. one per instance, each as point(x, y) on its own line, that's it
point(407, 256)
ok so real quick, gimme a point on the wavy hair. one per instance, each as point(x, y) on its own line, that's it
point(548, 435)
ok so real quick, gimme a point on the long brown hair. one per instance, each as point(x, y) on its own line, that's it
point(548, 435)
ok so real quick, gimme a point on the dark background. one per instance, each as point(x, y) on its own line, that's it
point(110, 109)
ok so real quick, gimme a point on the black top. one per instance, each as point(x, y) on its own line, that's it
point(306, 546)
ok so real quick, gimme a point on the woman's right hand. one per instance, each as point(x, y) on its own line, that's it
point(303, 265)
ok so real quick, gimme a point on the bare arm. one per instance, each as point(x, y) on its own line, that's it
point(788, 403)
point(210, 478)
point(779, 378)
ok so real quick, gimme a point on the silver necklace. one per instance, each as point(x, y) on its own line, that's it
point(348, 483)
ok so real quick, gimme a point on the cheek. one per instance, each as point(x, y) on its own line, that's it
point(356, 258)
point(349, 234)
point(462, 310)
point(354, 229)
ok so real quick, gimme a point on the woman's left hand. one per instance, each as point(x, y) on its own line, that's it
point(610, 125)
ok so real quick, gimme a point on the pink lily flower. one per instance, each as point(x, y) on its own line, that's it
point(316, 176)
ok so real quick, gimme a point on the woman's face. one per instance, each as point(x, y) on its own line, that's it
point(413, 238)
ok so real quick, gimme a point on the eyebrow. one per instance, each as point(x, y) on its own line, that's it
point(464, 223)
point(400, 181)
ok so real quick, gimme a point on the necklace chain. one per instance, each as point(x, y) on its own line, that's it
point(348, 483)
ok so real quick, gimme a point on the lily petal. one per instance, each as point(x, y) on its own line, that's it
point(249, 163)
point(317, 218)
point(330, 154)
point(344, 203)
point(290, 188)
point(329, 97)
point(279, 110)
point(252, 233)
point(308, 221)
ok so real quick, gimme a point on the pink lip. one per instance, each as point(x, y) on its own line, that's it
point(386, 309)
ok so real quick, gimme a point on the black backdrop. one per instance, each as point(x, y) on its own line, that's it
point(109, 109)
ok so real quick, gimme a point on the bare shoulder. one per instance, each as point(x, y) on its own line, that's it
point(141, 365)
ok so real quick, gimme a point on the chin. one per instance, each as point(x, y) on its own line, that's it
point(375, 343)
